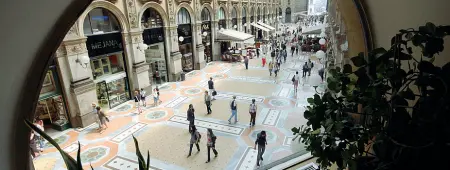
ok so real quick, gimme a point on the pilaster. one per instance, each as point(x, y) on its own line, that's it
point(83, 95)
point(136, 63)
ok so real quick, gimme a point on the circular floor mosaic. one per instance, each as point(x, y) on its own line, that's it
point(165, 87)
point(218, 76)
point(193, 91)
point(270, 136)
point(93, 154)
point(59, 140)
point(124, 108)
point(156, 114)
point(279, 102)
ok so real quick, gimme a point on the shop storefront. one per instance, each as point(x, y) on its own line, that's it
point(51, 107)
point(153, 36)
point(105, 49)
point(244, 19)
point(185, 40)
point(206, 34)
point(234, 18)
point(224, 46)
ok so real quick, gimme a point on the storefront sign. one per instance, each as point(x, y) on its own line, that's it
point(104, 44)
point(154, 35)
point(206, 26)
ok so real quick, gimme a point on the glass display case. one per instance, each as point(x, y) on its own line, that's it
point(111, 93)
point(107, 65)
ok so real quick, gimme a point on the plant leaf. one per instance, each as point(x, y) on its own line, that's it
point(92, 168)
point(79, 164)
point(347, 68)
point(71, 164)
point(148, 160)
point(138, 154)
point(404, 56)
point(359, 60)
point(310, 100)
point(408, 94)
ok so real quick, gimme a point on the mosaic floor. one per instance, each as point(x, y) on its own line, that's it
point(163, 130)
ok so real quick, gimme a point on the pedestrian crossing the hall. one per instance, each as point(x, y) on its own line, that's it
point(215, 126)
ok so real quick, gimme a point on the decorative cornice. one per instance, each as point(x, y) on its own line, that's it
point(180, 1)
point(82, 86)
point(140, 67)
point(112, 1)
point(145, 1)
point(175, 55)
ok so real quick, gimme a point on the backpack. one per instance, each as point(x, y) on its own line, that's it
point(199, 136)
point(214, 138)
point(293, 79)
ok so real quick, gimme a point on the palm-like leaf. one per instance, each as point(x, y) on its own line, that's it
point(68, 160)
point(142, 164)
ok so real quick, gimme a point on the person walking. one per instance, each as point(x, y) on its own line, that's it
point(103, 118)
point(284, 55)
point(39, 124)
point(310, 66)
point(276, 68)
point(252, 110)
point(155, 97)
point(257, 52)
point(270, 68)
point(208, 102)
point(246, 62)
point(261, 142)
point(191, 117)
point(137, 102)
point(211, 88)
point(305, 69)
point(233, 106)
point(157, 92)
point(295, 80)
point(195, 139)
point(321, 73)
point(292, 50)
point(143, 95)
point(211, 143)
point(263, 59)
point(296, 49)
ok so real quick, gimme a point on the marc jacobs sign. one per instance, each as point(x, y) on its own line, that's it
point(104, 44)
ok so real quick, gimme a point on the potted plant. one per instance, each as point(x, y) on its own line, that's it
point(390, 111)
point(73, 164)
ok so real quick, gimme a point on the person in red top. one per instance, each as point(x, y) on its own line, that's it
point(263, 61)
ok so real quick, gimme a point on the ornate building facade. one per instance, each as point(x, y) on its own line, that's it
point(119, 46)
point(292, 10)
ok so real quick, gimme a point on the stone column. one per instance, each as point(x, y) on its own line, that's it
point(135, 59)
point(175, 67)
point(216, 44)
point(77, 81)
point(199, 48)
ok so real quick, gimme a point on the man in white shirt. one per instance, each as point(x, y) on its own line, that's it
point(252, 110)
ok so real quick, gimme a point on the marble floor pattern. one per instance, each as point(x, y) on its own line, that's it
point(163, 130)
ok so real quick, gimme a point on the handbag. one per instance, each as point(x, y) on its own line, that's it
point(107, 119)
point(214, 93)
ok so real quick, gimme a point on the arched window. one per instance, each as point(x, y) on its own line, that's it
point(288, 15)
point(258, 14)
point(183, 17)
point(280, 12)
point(99, 21)
point(205, 15)
point(151, 19)
point(233, 12)
point(244, 13)
point(221, 13)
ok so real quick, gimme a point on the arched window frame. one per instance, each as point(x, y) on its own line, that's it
point(151, 19)
point(92, 24)
point(221, 13)
point(183, 17)
point(206, 16)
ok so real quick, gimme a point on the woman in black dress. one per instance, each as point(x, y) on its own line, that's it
point(191, 116)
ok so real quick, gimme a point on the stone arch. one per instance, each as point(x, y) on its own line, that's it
point(156, 7)
point(238, 11)
point(210, 9)
point(124, 25)
point(189, 9)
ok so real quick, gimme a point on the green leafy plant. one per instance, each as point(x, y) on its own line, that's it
point(390, 110)
point(142, 164)
point(71, 164)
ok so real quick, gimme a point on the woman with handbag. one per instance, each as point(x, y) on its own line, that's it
point(103, 119)
point(211, 143)
point(195, 139)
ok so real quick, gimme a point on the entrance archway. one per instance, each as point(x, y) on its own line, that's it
point(185, 39)
point(288, 15)
point(107, 58)
point(153, 36)
point(206, 34)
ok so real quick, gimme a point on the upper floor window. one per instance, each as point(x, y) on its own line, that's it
point(100, 21)
point(183, 17)
point(151, 19)
point(221, 13)
point(205, 15)
point(234, 13)
point(244, 13)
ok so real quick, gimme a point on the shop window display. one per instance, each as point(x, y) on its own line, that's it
point(51, 106)
point(107, 65)
point(185, 39)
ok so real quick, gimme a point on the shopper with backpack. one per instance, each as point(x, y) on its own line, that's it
point(211, 143)
point(195, 139)
point(261, 142)
point(233, 106)
point(252, 110)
